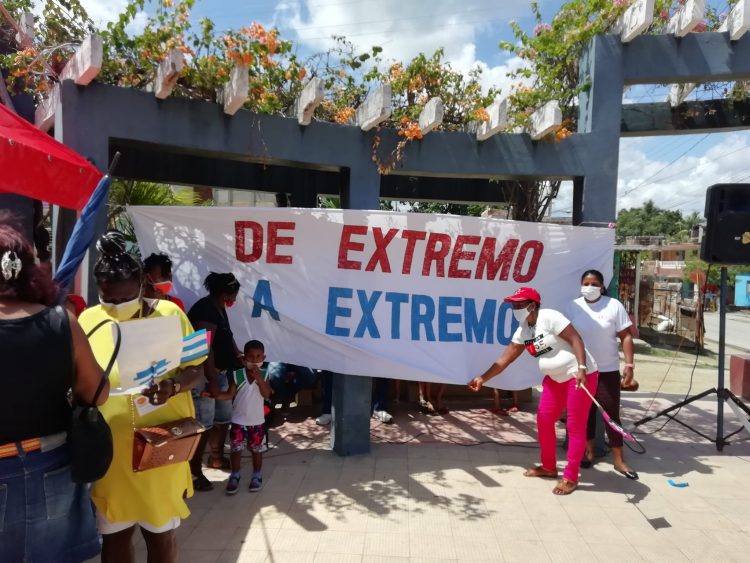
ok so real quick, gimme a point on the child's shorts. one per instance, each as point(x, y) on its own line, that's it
point(251, 435)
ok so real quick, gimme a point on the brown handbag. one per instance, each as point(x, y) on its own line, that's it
point(171, 442)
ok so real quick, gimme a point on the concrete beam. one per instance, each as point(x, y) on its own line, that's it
point(82, 68)
point(687, 17)
point(235, 92)
point(705, 116)
point(738, 20)
point(168, 73)
point(697, 57)
point(431, 115)
point(498, 119)
point(678, 93)
point(545, 120)
point(309, 99)
point(636, 19)
point(86, 63)
point(44, 115)
point(375, 109)
point(26, 25)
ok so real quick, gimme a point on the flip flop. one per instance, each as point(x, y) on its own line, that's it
point(499, 412)
point(564, 487)
point(629, 474)
point(540, 472)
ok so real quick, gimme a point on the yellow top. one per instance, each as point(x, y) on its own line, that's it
point(157, 495)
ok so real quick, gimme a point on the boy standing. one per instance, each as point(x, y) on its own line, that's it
point(248, 387)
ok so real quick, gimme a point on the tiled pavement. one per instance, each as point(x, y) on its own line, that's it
point(433, 490)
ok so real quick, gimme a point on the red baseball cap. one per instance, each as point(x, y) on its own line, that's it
point(524, 294)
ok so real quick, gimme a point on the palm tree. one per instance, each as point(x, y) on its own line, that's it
point(129, 192)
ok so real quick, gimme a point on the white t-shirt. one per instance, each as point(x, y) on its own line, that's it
point(556, 357)
point(247, 406)
point(598, 324)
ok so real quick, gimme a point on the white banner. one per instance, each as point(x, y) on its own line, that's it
point(376, 293)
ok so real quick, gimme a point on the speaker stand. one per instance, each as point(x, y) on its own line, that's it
point(722, 393)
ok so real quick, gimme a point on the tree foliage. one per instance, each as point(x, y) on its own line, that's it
point(650, 220)
point(549, 53)
point(127, 192)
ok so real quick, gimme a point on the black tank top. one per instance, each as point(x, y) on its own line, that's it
point(36, 372)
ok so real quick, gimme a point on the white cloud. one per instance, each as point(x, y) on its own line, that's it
point(682, 185)
point(103, 12)
point(405, 28)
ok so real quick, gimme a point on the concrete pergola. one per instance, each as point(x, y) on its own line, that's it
point(191, 142)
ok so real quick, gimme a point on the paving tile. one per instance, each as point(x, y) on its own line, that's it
point(199, 555)
point(658, 553)
point(569, 552)
point(306, 542)
point(289, 557)
point(337, 558)
point(384, 559)
point(351, 543)
point(477, 548)
point(615, 553)
point(432, 546)
point(244, 556)
point(517, 551)
point(386, 545)
point(603, 533)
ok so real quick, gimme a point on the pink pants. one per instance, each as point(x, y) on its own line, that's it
point(555, 397)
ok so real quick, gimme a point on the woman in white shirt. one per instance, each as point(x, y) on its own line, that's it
point(547, 335)
point(601, 321)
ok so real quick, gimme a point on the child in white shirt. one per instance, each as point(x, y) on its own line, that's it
point(248, 387)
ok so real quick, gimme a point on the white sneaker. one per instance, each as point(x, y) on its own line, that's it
point(382, 416)
point(323, 420)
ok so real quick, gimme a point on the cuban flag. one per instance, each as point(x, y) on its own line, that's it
point(157, 369)
point(195, 346)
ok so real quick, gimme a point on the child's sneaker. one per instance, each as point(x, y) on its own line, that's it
point(256, 484)
point(233, 485)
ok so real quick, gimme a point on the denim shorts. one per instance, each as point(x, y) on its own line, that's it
point(208, 410)
point(44, 516)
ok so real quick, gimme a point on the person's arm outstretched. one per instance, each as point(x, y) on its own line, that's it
point(508, 357)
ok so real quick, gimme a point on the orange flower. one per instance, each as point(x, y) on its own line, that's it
point(168, 3)
point(301, 74)
point(344, 115)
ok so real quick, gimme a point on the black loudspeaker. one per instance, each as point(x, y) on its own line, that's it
point(727, 236)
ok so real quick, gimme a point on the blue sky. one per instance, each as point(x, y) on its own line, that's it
point(673, 171)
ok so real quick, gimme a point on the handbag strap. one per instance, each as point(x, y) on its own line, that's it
point(115, 352)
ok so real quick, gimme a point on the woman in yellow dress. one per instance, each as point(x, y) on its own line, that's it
point(153, 499)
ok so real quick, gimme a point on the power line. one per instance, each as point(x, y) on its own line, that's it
point(682, 171)
point(647, 180)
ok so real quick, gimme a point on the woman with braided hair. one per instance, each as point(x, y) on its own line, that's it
point(224, 357)
point(44, 516)
point(153, 499)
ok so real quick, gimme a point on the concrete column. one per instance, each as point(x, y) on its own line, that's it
point(600, 114)
point(84, 128)
point(352, 394)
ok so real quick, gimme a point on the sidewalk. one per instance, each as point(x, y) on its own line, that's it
point(438, 489)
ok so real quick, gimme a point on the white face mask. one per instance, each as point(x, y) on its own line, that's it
point(122, 311)
point(591, 292)
point(258, 364)
point(521, 314)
